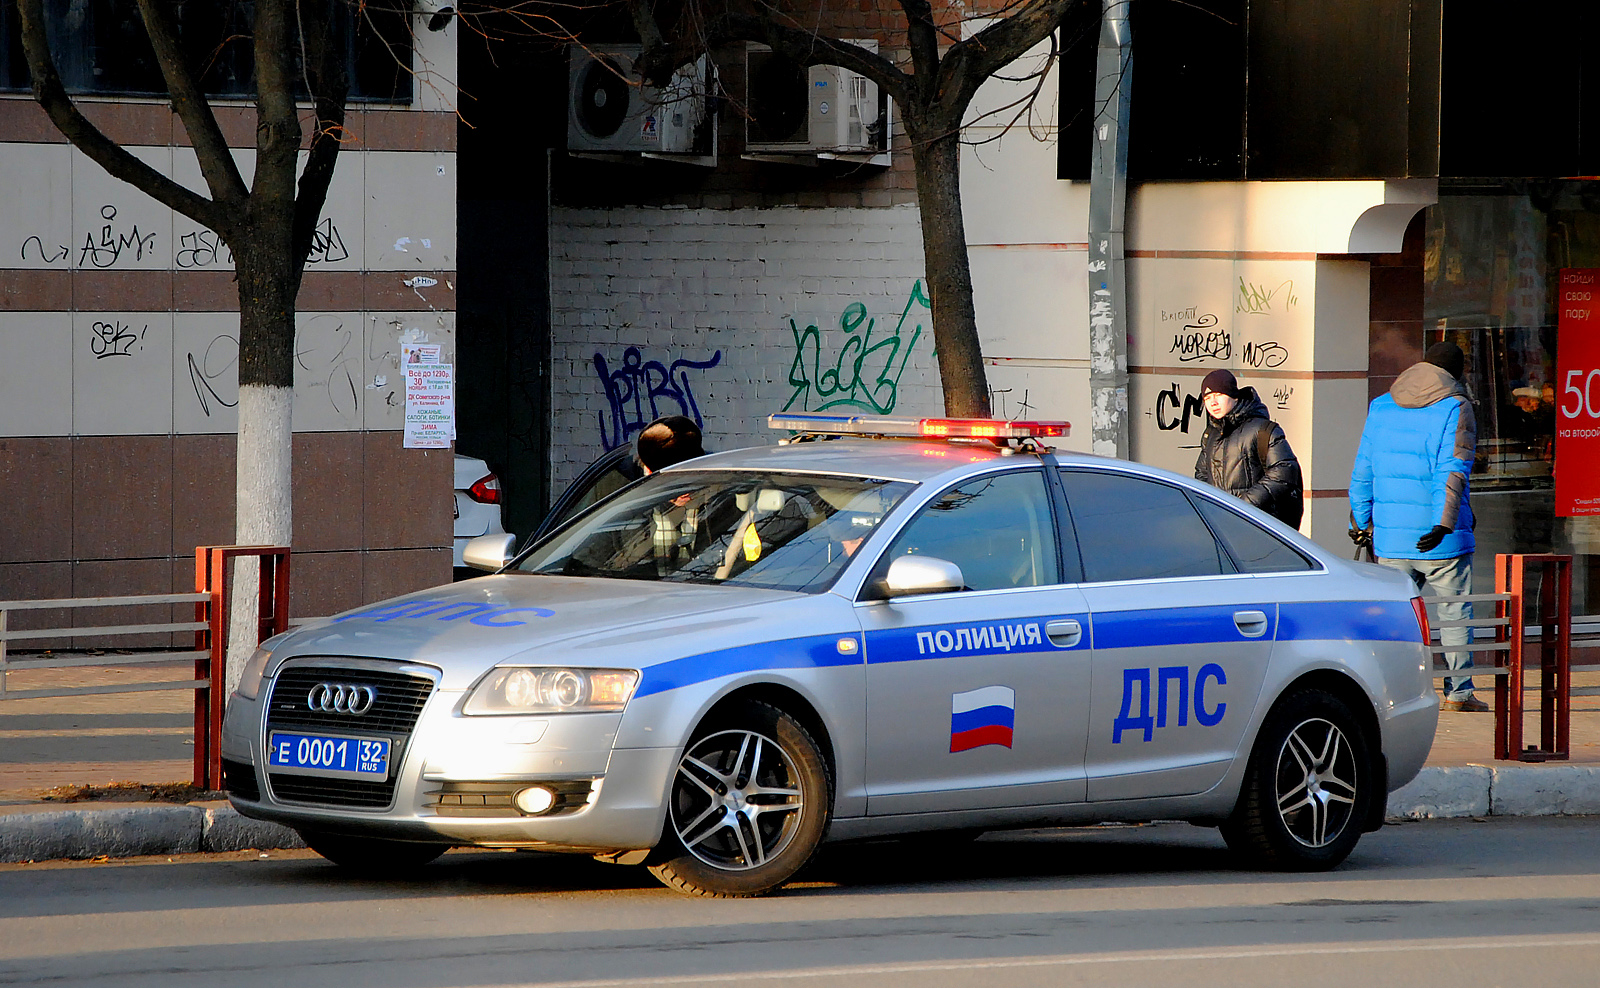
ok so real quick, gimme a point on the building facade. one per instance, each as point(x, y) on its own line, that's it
point(119, 323)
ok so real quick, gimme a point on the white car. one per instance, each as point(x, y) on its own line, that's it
point(725, 664)
point(477, 506)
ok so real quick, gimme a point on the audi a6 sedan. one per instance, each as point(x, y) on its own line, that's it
point(726, 663)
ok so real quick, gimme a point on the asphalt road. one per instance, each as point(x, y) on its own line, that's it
point(1457, 903)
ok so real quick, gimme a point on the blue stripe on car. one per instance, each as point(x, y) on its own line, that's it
point(1349, 620)
point(1305, 621)
point(794, 653)
point(1175, 626)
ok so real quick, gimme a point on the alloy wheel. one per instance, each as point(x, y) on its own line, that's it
point(736, 800)
point(1316, 777)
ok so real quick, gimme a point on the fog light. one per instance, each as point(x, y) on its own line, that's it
point(534, 799)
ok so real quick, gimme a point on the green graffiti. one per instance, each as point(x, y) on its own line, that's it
point(866, 374)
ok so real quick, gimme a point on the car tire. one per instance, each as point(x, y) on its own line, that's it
point(1308, 786)
point(372, 856)
point(749, 805)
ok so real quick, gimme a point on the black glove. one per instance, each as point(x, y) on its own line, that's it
point(1433, 538)
point(1362, 537)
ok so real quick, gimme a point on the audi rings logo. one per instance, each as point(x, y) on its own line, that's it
point(341, 698)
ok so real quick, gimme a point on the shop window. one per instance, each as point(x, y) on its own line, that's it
point(1491, 270)
point(101, 48)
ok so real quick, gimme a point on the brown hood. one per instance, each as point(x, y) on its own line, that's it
point(1422, 384)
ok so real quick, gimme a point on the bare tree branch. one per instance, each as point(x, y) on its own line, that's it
point(923, 38)
point(329, 84)
point(64, 113)
point(189, 101)
point(661, 57)
point(277, 122)
point(967, 64)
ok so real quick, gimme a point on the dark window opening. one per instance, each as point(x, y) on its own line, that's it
point(101, 48)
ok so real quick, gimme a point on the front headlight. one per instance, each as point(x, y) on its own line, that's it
point(552, 690)
point(254, 670)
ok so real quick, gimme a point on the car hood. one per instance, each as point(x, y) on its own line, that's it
point(465, 628)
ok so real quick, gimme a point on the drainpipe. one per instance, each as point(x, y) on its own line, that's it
point(1108, 199)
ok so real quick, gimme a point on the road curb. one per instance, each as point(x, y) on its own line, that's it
point(1484, 790)
point(122, 830)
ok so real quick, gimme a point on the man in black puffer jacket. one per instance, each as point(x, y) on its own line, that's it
point(1245, 453)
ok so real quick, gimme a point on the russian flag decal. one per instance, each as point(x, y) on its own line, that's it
point(982, 716)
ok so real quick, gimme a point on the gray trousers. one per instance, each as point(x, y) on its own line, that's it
point(1446, 578)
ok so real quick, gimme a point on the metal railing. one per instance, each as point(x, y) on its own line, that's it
point(10, 663)
point(1551, 629)
point(212, 602)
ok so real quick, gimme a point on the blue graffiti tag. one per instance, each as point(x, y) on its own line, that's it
point(866, 375)
point(636, 390)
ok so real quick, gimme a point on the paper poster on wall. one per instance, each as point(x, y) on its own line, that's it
point(421, 353)
point(430, 405)
point(1577, 466)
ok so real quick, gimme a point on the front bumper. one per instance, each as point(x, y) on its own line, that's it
point(625, 809)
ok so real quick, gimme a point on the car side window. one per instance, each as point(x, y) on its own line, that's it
point(997, 528)
point(1130, 528)
point(604, 486)
point(1253, 548)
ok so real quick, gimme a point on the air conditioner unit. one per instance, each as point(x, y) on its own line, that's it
point(819, 109)
point(609, 110)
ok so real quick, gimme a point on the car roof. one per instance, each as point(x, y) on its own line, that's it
point(884, 459)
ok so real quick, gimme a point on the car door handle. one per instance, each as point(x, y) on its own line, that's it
point(1251, 624)
point(1064, 633)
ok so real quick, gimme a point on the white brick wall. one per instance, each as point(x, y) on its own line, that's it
point(703, 284)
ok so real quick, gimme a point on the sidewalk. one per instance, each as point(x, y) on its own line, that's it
point(147, 737)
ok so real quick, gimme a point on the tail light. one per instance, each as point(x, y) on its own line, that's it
point(486, 490)
point(1421, 608)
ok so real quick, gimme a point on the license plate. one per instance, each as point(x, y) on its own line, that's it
point(329, 755)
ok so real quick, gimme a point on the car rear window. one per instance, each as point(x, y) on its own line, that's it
point(1130, 528)
point(770, 530)
point(1253, 548)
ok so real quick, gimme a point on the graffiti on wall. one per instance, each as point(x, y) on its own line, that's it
point(1175, 409)
point(864, 372)
point(115, 339)
point(639, 391)
point(1258, 299)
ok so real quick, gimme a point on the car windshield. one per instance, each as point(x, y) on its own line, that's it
point(770, 530)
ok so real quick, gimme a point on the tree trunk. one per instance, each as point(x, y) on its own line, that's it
point(949, 276)
point(268, 285)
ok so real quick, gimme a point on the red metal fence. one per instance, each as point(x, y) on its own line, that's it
point(1550, 628)
point(272, 618)
point(212, 604)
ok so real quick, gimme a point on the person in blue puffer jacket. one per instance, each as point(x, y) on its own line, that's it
point(1410, 493)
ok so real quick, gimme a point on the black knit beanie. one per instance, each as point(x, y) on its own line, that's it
point(1222, 382)
point(1448, 356)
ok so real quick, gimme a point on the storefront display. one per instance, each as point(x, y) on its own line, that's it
point(1493, 270)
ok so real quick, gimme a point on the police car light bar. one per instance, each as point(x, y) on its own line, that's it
point(885, 425)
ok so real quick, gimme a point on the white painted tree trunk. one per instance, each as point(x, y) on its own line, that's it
point(263, 505)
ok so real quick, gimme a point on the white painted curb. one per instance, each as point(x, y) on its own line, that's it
point(225, 829)
point(119, 830)
point(122, 830)
point(1482, 790)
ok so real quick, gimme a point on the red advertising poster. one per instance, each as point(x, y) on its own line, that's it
point(1577, 466)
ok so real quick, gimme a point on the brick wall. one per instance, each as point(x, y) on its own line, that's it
point(709, 312)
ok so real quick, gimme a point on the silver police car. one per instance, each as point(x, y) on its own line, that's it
point(733, 660)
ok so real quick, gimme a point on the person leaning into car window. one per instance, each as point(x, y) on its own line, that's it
point(668, 440)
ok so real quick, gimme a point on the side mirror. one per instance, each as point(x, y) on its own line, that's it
point(911, 575)
point(489, 553)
